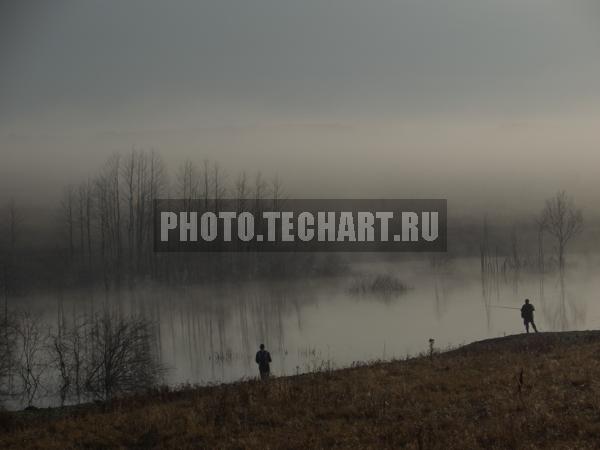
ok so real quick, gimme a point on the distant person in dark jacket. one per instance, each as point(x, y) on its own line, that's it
point(263, 359)
point(527, 314)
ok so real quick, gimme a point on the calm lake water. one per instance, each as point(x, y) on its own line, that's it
point(210, 334)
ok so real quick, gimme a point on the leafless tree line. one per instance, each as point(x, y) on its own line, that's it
point(563, 221)
point(103, 232)
point(560, 220)
point(107, 220)
point(82, 358)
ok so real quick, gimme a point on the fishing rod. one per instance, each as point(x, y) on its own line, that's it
point(505, 307)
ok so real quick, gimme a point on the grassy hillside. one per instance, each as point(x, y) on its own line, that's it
point(523, 391)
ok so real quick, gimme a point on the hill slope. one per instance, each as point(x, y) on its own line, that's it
point(522, 391)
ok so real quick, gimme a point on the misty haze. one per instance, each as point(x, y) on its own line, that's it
point(106, 107)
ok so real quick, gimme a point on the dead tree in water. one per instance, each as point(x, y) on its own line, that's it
point(67, 212)
point(206, 182)
point(187, 179)
point(219, 187)
point(563, 221)
point(143, 180)
point(515, 259)
point(241, 192)
point(276, 191)
point(108, 206)
point(541, 225)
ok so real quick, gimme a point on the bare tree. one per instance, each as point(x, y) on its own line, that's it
point(541, 225)
point(515, 260)
point(141, 176)
point(88, 218)
point(563, 221)
point(188, 181)
point(67, 356)
point(60, 357)
point(13, 221)
point(7, 355)
point(108, 205)
point(206, 182)
point(102, 202)
point(241, 191)
point(219, 189)
point(276, 191)
point(68, 217)
point(259, 187)
point(258, 191)
point(157, 181)
point(122, 357)
point(128, 171)
point(9, 275)
point(31, 342)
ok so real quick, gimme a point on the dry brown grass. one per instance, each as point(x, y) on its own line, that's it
point(472, 397)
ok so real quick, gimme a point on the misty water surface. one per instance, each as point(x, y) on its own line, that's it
point(209, 334)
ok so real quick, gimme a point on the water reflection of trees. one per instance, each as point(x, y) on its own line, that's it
point(564, 310)
point(212, 333)
point(558, 306)
point(441, 267)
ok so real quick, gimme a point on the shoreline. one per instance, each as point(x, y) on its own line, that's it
point(469, 397)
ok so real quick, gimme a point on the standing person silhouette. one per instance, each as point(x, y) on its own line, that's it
point(263, 359)
point(527, 314)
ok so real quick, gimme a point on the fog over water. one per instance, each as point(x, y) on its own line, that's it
point(210, 333)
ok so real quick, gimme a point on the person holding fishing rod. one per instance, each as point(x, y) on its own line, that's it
point(527, 314)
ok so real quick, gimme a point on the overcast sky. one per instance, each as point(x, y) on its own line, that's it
point(475, 100)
